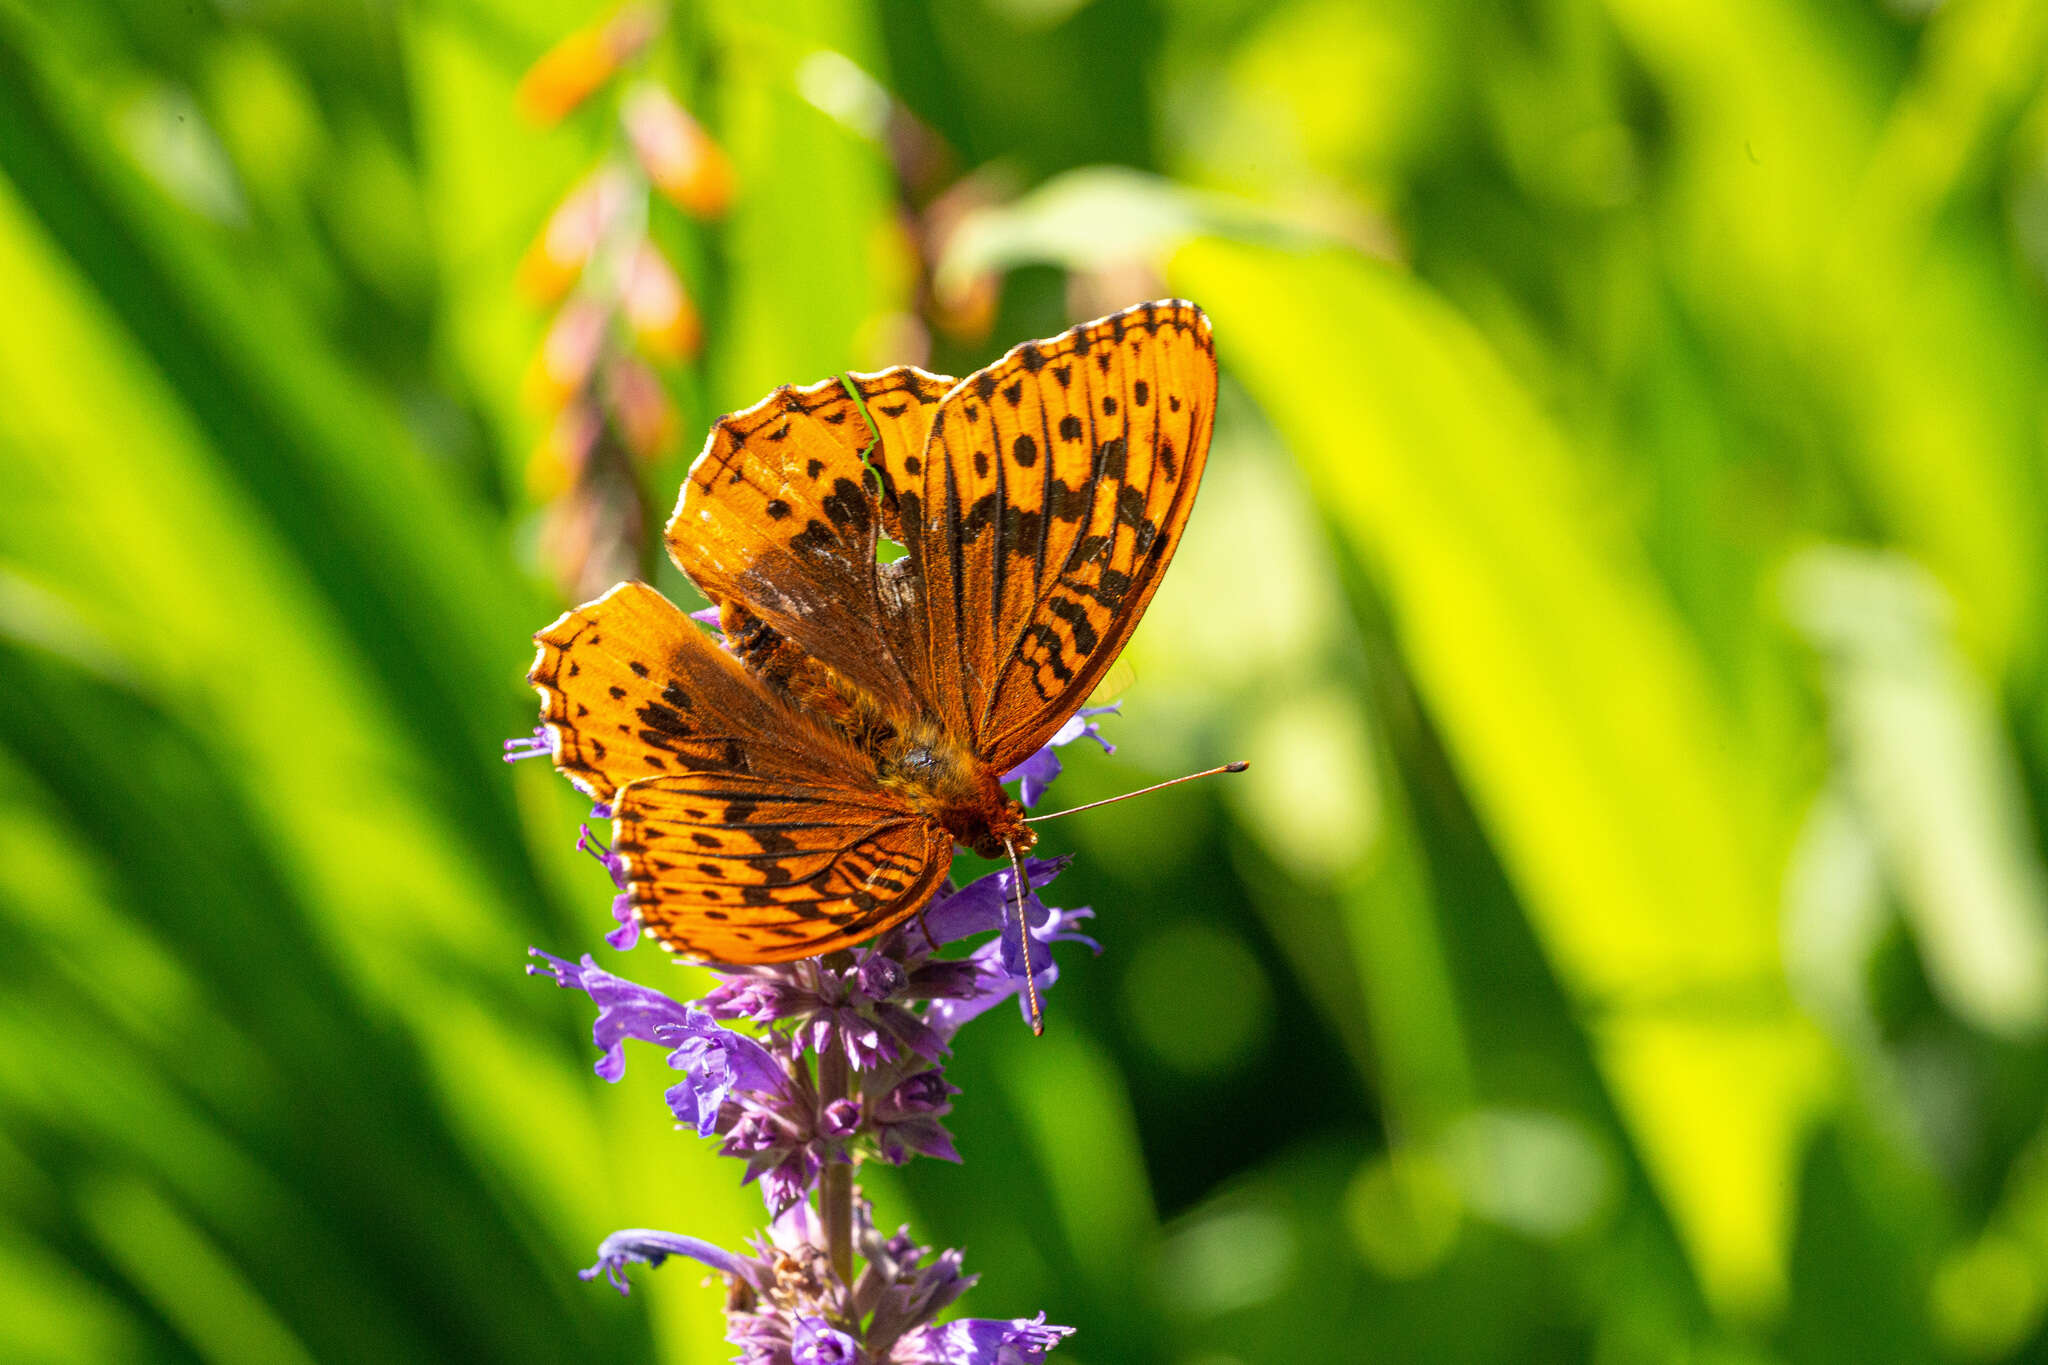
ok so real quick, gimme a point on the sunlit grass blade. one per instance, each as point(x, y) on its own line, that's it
point(1574, 706)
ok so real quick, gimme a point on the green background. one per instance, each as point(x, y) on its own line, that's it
point(1622, 559)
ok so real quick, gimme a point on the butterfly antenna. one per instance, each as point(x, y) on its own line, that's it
point(1236, 767)
point(1024, 937)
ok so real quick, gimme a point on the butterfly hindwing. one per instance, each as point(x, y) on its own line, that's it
point(1054, 490)
point(741, 868)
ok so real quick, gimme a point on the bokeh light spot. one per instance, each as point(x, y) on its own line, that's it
point(1198, 999)
point(1403, 1210)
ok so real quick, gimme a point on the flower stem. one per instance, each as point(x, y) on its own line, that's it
point(835, 1189)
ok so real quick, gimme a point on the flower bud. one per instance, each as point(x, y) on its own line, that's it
point(678, 155)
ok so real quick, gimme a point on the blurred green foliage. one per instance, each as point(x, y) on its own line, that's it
point(1623, 560)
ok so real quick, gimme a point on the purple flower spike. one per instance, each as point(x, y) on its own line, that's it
point(648, 1247)
point(803, 1068)
point(817, 1342)
point(1037, 772)
point(536, 745)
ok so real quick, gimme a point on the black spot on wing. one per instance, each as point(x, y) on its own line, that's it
point(1111, 459)
point(1065, 503)
point(848, 505)
point(1076, 617)
point(816, 538)
point(978, 519)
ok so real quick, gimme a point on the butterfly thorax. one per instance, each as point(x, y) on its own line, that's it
point(939, 777)
point(951, 786)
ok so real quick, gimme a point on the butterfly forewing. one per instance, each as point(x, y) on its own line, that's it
point(900, 404)
point(1054, 490)
point(779, 515)
point(739, 868)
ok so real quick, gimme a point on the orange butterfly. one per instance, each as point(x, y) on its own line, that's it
point(801, 789)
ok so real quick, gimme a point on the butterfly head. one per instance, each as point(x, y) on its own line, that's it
point(993, 827)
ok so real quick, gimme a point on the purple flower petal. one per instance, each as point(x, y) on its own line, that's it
point(925, 1093)
point(796, 1228)
point(612, 863)
point(980, 1341)
point(913, 1297)
point(997, 970)
point(880, 976)
point(817, 1342)
point(898, 1142)
point(715, 1061)
point(787, 1183)
point(840, 1119)
point(1037, 772)
point(983, 904)
point(1034, 775)
point(537, 745)
point(624, 1010)
point(628, 932)
point(650, 1247)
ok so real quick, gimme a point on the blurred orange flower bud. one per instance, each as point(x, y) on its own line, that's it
point(678, 155)
point(564, 451)
point(965, 310)
point(575, 228)
point(567, 354)
point(577, 67)
point(641, 408)
point(962, 305)
point(658, 310)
